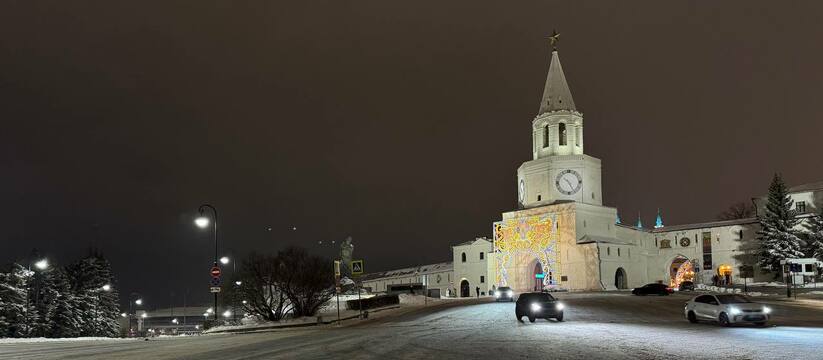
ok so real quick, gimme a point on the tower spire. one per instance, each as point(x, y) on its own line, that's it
point(659, 222)
point(556, 93)
point(639, 223)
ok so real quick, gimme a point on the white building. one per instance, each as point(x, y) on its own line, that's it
point(437, 279)
point(562, 236)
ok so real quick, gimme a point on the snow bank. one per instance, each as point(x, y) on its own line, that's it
point(45, 340)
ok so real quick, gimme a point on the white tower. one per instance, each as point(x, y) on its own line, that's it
point(559, 171)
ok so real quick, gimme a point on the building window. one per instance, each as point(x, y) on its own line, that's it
point(608, 251)
point(482, 279)
point(800, 207)
point(463, 257)
point(707, 250)
point(481, 255)
point(538, 197)
point(546, 136)
point(618, 251)
point(741, 235)
point(562, 133)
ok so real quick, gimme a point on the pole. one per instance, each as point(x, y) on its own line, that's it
point(184, 308)
point(425, 289)
point(359, 303)
point(338, 306)
point(214, 211)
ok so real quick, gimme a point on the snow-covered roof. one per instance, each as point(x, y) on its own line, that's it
point(705, 225)
point(422, 270)
point(470, 242)
point(807, 187)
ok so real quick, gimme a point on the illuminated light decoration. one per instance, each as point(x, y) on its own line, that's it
point(535, 236)
point(685, 272)
point(618, 221)
point(659, 222)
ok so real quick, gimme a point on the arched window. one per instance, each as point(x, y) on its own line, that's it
point(546, 136)
point(463, 257)
point(578, 134)
point(562, 132)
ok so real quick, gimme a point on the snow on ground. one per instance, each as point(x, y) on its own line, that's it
point(46, 340)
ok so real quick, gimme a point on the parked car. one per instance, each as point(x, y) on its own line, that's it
point(652, 289)
point(504, 293)
point(726, 309)
point(686, 286)
point(536, 305)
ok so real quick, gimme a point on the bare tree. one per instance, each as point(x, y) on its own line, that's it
point(738, 210)
point(261, 288)
point(307, 280)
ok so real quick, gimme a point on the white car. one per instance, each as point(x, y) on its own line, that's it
point(726, 309)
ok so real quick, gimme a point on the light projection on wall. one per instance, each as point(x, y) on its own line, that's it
point(535, 236)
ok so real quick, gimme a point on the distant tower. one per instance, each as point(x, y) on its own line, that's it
point(659, 222)
point(639, 223)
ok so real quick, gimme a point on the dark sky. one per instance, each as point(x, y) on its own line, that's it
point(400, 123)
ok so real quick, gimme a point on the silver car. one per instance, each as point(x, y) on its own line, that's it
point(726, 309)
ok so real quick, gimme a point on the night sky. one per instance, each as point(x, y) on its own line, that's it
point(399, 123)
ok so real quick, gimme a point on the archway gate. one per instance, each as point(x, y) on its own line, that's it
point(517, 242)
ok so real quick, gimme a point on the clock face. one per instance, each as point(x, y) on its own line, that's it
point(568, 182)
point(685, 241)
point(521, 191)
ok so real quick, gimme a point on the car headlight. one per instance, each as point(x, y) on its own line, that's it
point(734, 311)
point(767, 310)
point(511, 293)
point(535, 307)
point(496, 294)
point(559, 306)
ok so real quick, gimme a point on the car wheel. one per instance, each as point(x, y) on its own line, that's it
point(532, 318)
point(724, 320)
point(692, 317)
point(519, 316)
point(559, 316)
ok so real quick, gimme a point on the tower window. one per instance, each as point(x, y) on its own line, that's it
point(481, 255)
point(538, 197)
point(800, 206)
point(577, 136)
point(562, 131)
point(463, 257)
point(546, 136)
point(608, 251)
point(482, 279)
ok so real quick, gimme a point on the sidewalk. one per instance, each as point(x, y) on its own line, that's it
point(325, 318)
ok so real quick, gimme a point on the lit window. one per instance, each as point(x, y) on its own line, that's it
point(562, 133)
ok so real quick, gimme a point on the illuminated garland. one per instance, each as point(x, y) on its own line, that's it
point(533, 235)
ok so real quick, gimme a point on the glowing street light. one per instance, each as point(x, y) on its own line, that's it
point(174, 321)
point(245, 302)
point(106, 287)
point(201, 222)
point(224, 260)
point(144, 315)
point(227, 314)
point(42, 264)
point(123, 315)
point(238, 283)
point(138, 301)
point(209, 310)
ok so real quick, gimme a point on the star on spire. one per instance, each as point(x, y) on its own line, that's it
point(554, 39)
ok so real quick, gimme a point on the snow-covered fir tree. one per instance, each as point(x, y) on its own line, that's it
point(814, 236)
point(64, 322)
point(777, 238)
point(95, 299)
point(17, 313)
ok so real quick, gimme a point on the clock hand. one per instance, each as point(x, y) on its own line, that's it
point(571, 187)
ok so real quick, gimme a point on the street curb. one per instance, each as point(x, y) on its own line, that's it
point(299, 325)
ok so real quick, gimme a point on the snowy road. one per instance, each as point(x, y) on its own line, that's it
point(598, 326)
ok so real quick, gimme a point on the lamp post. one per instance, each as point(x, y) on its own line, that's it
point(41, 265)
point(203, 222)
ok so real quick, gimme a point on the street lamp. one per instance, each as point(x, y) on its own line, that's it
point(227, 314)
point(238, 283)
point(42, 264)
point(138, 302)
point(203, 222)
point(106, 287)
point(224, 260)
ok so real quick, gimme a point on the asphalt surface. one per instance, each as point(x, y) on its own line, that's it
point(597, 326)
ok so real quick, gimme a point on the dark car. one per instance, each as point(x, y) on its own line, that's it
point(504, 293)
point(538, 305)
point(653, 289)
point(687, 286)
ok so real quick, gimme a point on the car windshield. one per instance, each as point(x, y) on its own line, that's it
point(539, 297)
point(732, 299)
point(504, 288)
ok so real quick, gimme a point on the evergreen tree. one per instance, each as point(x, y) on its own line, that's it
point(95, 307)
point(44, 292)
point(777, 237)
point(17, 313)
point(64, 322)
point(814, 237)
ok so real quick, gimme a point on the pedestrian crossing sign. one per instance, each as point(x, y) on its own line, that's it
point(357, 267)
